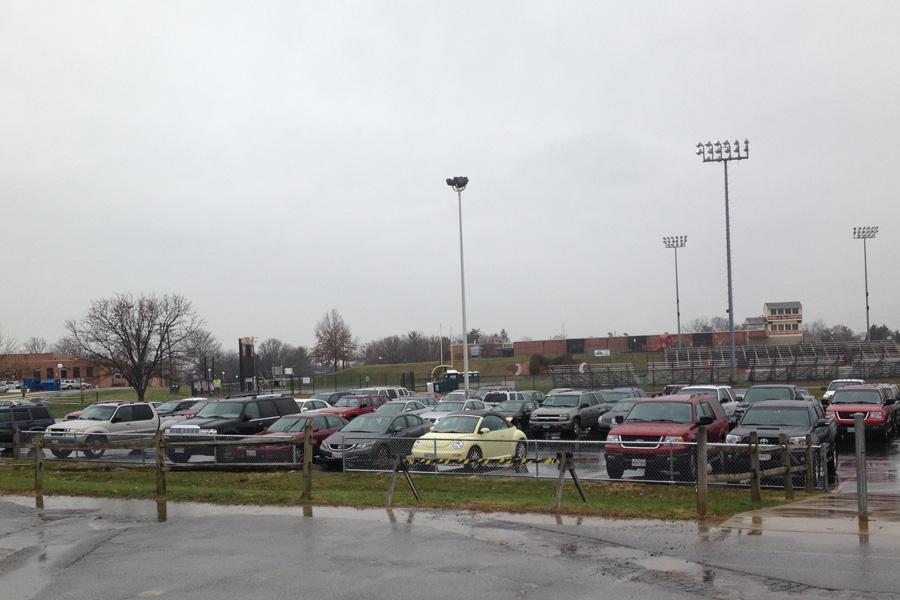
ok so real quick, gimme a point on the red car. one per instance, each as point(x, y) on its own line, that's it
point(350, 407)
point(289, 426)
point(871, 400)
point(656, 436)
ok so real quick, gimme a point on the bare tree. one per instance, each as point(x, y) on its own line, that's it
point(135, 335)
point(36, 345)
point(271, 353)
point(67, 345)
point(10, 366)
point(8, 345)
point(334, 342)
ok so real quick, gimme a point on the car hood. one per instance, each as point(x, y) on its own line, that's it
point(435, 414)
point(553, 411)
point(768, 435)
point(337, 410)
point(77, 424)
point(207, 423)
point(652, 429)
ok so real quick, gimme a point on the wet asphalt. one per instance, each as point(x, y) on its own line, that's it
point(104, 549)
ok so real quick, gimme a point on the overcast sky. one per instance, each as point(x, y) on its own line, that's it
point(272, 160)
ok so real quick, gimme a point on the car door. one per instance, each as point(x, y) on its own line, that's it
point(121, 425)
point(715, 431)
point(321, 430)
point(143, 420)
point(496, 442)
point(249, 423)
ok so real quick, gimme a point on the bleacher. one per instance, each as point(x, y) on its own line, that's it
point(818, 360)
point(591, 376)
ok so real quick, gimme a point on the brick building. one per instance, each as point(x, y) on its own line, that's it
point(45, 365)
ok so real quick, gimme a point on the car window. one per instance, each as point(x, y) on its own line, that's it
point(141, 412)
point(320, 423)
point(20, 414)
point(252, 410)
point(705, 410)
point(493, 423)
point(267, 409)
point(124, 414)
point(392, 393)
point(39, 412)
point(414, 420)
point(416, 405)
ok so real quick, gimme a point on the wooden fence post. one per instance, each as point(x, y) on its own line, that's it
point(702, 501)
point(810, 472)
point(786, 463)
point(38, 450)
point(161, 499)
point(755, 494)
point(17, 441)
point(306, 494)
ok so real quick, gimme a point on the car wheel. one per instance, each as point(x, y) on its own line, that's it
point(576, 429)
point(383, 455)
point(61, 453)
point(94, 452)
point(474, 455)
point(178, 457)
point(521, 451)
point(614, 471)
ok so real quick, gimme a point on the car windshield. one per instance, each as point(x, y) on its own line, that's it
point(449, 406)
point(168, 406)
point(510, 405)
point(457, 424)
point(562, 401)
point(348, 401)
point(197, 406)
point(392, 407)
point(98, 412)
point(856, 397)
point(613, 397)
point(757, 394)
point(623, 407)
point(291, 423)
point(839, 384)
point(661, 412)
point(221, 410)
point(784, 417)
point(368, 424)
point(321, 396)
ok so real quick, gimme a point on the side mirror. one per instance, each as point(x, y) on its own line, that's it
point(484, 430)
point(584, 405)
point(245, 418)
point(620, 419)
point(739, 397)
point(824, 389)
point(821, 423)
point(704, 420)
point(115, 420)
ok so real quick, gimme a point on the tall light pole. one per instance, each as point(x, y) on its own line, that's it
point(725, 152)
point(459, 184)
point(675, 242)
point(866, 233)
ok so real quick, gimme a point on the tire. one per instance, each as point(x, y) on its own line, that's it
point(474, 454)
point(832, 465)
point(61, 453)
point(178, 457)
point(614, 471)
point(576, 429)
point(521, 451)
point(382, 456)
point(94, 453)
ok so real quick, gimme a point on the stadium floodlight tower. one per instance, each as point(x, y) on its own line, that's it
point(459, 184)
point(674, 242)
point(866, 233)
point(725, 152)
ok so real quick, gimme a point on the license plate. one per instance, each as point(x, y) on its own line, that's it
point(179, 450)
point(336, 454)
point(251, 452)
point(765, 457)
point(546, 426)
point(851, 429)
point(638, 462)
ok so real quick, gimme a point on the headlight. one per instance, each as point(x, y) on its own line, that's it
point(732, 439)
point(800, 439)
point(457, 445)
point(364, 444)
point(673, 439)
point(875, 414)
point(614, 438)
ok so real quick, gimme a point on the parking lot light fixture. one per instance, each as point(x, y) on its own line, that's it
point(866, 233)
point(725, 152)
point(59, 368)
point(675, 242)
point(458, 184)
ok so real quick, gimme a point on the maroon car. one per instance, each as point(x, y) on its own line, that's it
point(293, 427)
point(350, 407)
point(658, 434)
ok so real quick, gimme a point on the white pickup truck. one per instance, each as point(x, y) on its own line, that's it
point(722, 394)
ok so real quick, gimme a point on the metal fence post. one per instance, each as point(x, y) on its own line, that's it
point(786, 463)
point(671, 464)
point(809, 464)
point(755, 494)
point(306, 495)
point(862, 492)
point(701, 472)
point(38, 449)
point(161, 509)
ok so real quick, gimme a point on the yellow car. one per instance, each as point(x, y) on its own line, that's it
point(472, 435)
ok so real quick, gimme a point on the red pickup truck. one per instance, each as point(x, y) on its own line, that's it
point(657, 436)
point(350, 407)
point(872, 401)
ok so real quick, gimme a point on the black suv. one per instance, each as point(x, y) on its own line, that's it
point(771, 418)
point(25, 418)
point(247, 415)
point(769, 391)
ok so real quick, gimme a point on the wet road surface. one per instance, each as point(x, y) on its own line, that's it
point(105, 549)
